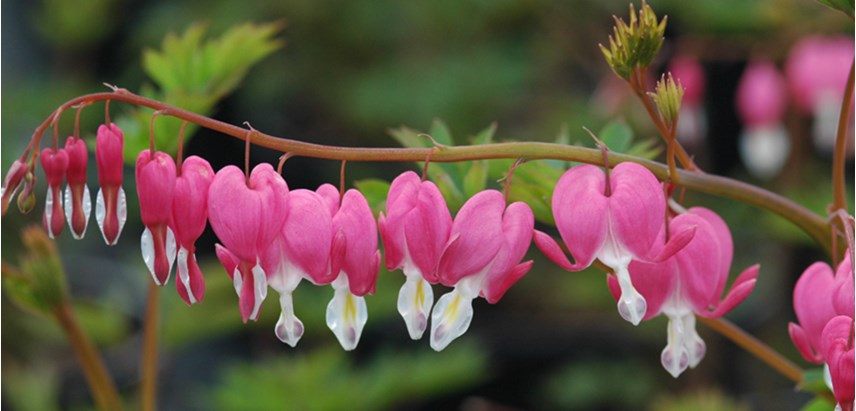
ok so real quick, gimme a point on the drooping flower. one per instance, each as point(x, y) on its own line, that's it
point(55, 164)
point(820, 295)
point(414, 231)
point(693, 123)
point(360, 261)
point(689, 283)
point(111, 208)
point(189, 215)
point(482, 258)
point(247, 216)
point(155, 174)
point(837, 346)
point(817, 70)
point(761, 104)
point(77, 201)
point(12, 182)
point(615, 222)
point(304, 249)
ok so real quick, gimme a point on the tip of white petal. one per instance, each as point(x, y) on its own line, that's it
point(183, 272)
point(675, 360)
point(346, 317)
point(68, 206)
point(121, 214)
point(632, 307)
point(289, 330)
point(450, 319)
point(414, 304)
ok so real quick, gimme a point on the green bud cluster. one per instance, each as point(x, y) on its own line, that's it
point(667, 96)
point(634, 45)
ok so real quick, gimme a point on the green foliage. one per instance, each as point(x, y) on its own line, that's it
point(844, 6)
point(194, 74)
point(818, 404)
point(328, 379)
point(589, 384)
point(707, 400)
point(375, 191)
point(76, 24)
point(39, 285)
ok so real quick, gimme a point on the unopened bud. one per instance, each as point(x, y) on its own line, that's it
point(667, 96)
point(13, 181)
point(635, 44)
point(27, 198)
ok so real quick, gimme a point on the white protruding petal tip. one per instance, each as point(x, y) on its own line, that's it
point(346, 317)
point(289, 330)
point(450, 319)
point(675, 360)
point(632, 306)
point(183, 272)
point(68, 206)
point(259, 290)
point(147, 246)
point(414, 304)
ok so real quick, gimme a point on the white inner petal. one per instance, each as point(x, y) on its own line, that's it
point(259, 289)
point(184, 272)
point(450, 319)
point(49, 212)
point(147, 246)
point(289, 329)
point(346, 314)
point(414, 304)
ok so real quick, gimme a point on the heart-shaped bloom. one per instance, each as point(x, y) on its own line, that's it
point(690, 282)
point(359, 261)
point(415, 231)
point(303, 250)
point(77, 202)
point(761, 104)
point(481, 259)
point(820, 295)
point(247, 216)
point(55, 164)
point(837, 346)
point(155, 174)
point(189, 215)
point(111, 208)
point(615, 224)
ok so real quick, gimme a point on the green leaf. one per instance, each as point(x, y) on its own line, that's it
point(408, 137)
point(375, 191)
point(844, 6)
point(476, 178)
point(617, 136)
point(818, 404)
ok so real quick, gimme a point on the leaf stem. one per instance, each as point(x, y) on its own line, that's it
point(149, 365)
point(840, 153)
point(691, 178)
point(103, 389)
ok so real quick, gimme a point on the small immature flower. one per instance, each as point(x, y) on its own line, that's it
point(668, 96)
point(155, 175)
point(481, 258)
point(13, 181)
point(415, 231)
point(189, 215)
point(615, 223)
point(689, 283)
point(111, 208)
point(77, 202)
point(359, 259)
point(247, 216)
point(304, 249)
point(634, 45)
point(55, 164)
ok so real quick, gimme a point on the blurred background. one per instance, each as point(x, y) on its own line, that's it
point(347, 73)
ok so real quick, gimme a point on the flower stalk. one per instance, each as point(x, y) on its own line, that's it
point(149, 359)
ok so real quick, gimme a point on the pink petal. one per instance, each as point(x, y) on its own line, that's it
point(761, 98)
point(330, 195)
point(190, 201)
point(837, 346)
point(109, 143)
point(637, 207)
point(726, 243)
point(550, 248)
point(813, 303)
point(477, 237)
point(155, 174)
point(194, 289)
point(804, 346)
point(843, 296)
point(356, 221)
point(308, 235)
point(699, 263)
point(494, 292)
point(517, 226)
point(742, 287)
point(427, 228)
point(656, 283)
point(580, 211)
point(227, 259)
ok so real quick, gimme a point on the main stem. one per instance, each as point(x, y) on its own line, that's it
point(149, 364)
point(840, 154)
point(817, 227)
point(103, 389)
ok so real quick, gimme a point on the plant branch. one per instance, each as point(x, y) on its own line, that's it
point(817, 227)
point(149, 365)
point(840, 153)
point(755, 347)
point(103, 389)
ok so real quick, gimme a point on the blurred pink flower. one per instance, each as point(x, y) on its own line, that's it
point(761, 103)
point(155, 174)
point(77, 202)
point(55, 164)
point(692, 125)
point(111, 208)
point(189, 216)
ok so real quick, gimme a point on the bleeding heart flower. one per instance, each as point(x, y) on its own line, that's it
point(837, 347)
point(77, 201)
point(155, 174)
point(55, 164)
point(303, 250)
point(359, 260)
point(111, 208)
point(13, 181)
point(189, 215)
point(761, 104)
point(481, 259)
point(415, 230)
point(689, 283)
point(247, 216)
point(615, 221)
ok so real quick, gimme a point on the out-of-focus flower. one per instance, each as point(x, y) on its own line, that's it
point(55, 164)
point(692, 125)
point(111, 208)
point(761, 103)
point(189, 216)
point(155, 173)
point(77, 201)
